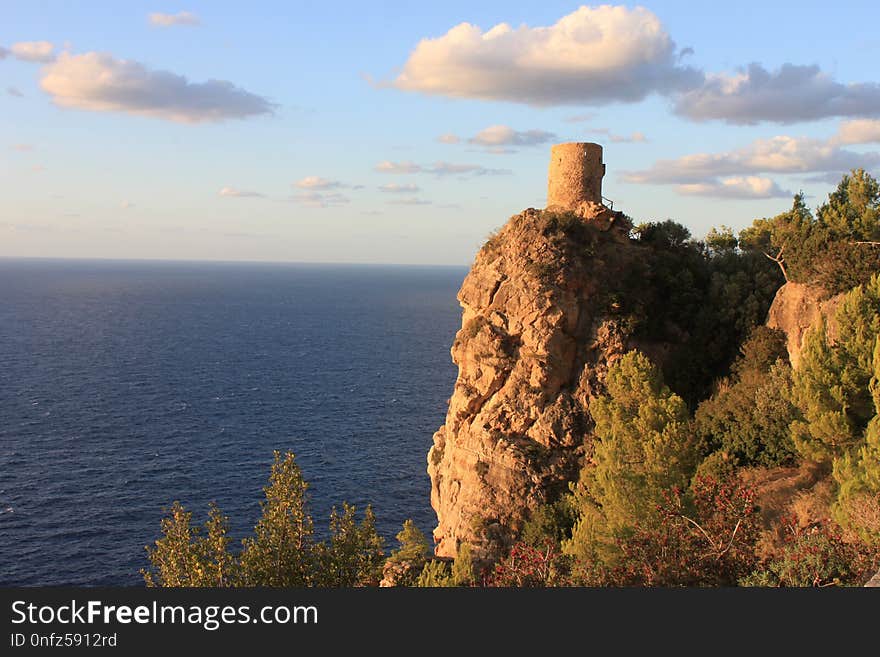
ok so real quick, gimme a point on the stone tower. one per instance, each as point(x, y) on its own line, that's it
point(576, 172)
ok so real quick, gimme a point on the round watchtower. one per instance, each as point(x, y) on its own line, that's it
point(576, 172)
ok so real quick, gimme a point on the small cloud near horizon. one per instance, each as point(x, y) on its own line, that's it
point(439, 169)
point(633, 138)
point(232, 192)
point(737, 173)
point(387, 166)
point(410, 201)
point(400, 188)
point(780, 154)
point(502, 135)
point(741, 188)
point(314, 199)
point(580, 118)
point(186, 18)
point(317, 182)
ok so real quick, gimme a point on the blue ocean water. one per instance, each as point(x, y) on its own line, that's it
point(127, 385)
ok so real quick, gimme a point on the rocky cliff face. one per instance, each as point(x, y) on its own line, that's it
point(796, 308)
point(540, 324)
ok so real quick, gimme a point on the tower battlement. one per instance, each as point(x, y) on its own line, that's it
point(576, 172)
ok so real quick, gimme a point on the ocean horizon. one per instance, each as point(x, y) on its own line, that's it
point(128, 384)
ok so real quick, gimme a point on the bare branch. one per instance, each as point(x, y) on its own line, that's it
point(697, 525)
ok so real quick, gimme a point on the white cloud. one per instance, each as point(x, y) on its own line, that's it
point(580, 118)
point(449, 138)
point(450, 169)
point(593, 55)
point(745, 187)
point(859, 131)
point(398, 167)
point(22, 148)
point(409, 201)
point(321, 199)
point(399, 188)
point(633, 138)
point(439, 169)
point(101, 83)
point(316, 182)
point(791, 93)
point(781, 154)
point(232, 192)
point(14, 91)
point(736, 174)
point(830, 178)
point(502, 135)
point(33, 51)
point(168, 20)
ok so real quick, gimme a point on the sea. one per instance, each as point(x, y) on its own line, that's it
point(127, 385)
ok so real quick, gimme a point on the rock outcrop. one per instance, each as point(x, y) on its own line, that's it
point(796, 308)
point(540, 325)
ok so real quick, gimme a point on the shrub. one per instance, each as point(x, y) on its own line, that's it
point(816, 556)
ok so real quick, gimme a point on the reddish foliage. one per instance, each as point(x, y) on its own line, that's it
point(818, 555)
point(530, 566)
point(705, 539)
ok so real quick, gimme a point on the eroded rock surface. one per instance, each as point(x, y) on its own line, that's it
point(541, 322)
point(796, 308)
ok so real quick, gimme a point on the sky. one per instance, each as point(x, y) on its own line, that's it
point(405, 132)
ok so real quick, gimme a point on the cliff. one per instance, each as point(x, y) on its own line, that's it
point(543, 317)
point(796, 308)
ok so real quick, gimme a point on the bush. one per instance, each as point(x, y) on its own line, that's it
point(748, 418)
point(532, 566)
point(816, 556)
point(707, 537)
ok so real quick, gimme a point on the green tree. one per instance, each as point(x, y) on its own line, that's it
point(439, 573)
point(721, 240)
point(280, 552)
point(789, 239)
point(187, 556)
point(858, 474)
point(354, 555)
point(852, 211)
point(830, 387)
point(643, 448)
point(837, 248)
point(409, 559)
point(748, 418)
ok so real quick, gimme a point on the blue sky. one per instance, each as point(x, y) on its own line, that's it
point(323, 142)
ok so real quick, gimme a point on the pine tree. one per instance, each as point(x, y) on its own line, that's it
point(643, 449)
point(280, 552)
point(858, 473)
point(189, 556)
point(408, 561)
point(354, 555)
point(830, 387)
